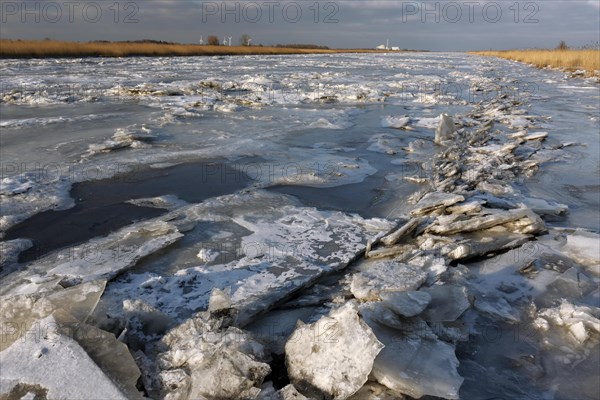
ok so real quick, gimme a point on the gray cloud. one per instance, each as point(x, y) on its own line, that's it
point(433, 25)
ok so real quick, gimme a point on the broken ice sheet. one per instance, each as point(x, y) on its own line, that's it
point(282, 248)
point(554, 274)
point(20, 200)
point(201, 360)
point(218, 371)
point(545, 207)
point(385, 143)
point(168, 202)
point(332, 170)
point(378, 311)
point(572, 284)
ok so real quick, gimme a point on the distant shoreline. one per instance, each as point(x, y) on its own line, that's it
point(60, 49)
point(572, 61)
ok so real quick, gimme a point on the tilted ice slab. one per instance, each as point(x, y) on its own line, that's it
point(120, 253)
point(415, 364)
point(395, 122)
point(100, 258)
point(334, 356)
point(385, 143)
point(19, 312)
point(26, 318)
point(131, 136)
point(103, 258)
point(521, 221)
point(407, 304)
point(434, 201)
point(448, 302)
point(386, 276)
point(56, 363)
point(282, 248)
point(584, 247)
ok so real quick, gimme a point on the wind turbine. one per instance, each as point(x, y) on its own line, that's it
point(230, 40)
point(387, 44)
point(224, 41)
point(201, 40)
point(249, 41)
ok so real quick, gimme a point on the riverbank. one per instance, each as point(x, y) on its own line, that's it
point(568, 60)
point(51, 49)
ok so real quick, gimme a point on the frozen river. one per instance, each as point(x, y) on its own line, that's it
point(169, 177)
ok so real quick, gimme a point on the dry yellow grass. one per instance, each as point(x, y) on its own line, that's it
point(569, 60)
point(50, 48)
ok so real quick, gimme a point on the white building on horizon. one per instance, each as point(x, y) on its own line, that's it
point(386, 46)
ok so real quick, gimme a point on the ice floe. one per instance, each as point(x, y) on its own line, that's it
point(333, 357)
point(396, 122)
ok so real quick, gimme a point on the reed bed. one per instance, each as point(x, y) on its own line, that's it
point(568, 60)
point(52, 49)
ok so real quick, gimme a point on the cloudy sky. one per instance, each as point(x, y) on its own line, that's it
point(432, 25)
